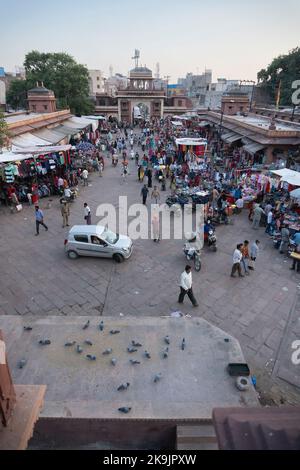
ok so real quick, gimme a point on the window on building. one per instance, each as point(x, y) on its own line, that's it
point(229, 107)
point(45, 107)
point(98, 78)
point(179, 102)
point(98, 86)
point(241, 108)
point(101, 102)
point(34, 107)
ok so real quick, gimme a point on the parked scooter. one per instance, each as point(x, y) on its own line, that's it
point(192, 251)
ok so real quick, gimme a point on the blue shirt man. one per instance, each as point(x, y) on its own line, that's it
point(296, 238)
point(39, 220)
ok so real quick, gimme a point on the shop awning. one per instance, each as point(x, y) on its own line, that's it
point(176, 123)
point(8, 157)
point(191, 141)
point(204, 123)
point(289, 176)
point(50, 135)
point(253, 148)
point(81, 123)
point(42, 150)
point(226, 136)
point(233, 138)
point(28, 139)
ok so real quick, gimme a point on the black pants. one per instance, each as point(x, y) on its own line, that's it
point(144, 200)
point(190, 296)
point(296, 262)
point(38, 223)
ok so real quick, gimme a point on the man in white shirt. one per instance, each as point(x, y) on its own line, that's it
point(87, 214)
point(240, 205)
point(237, 258)
point(85, 175)
point(186, 286)
point(60, 182)
point(269, 222)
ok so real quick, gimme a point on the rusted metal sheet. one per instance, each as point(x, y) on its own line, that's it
point(258, 428)
point(7, 391)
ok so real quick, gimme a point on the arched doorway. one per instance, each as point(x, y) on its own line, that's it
point(141, 111)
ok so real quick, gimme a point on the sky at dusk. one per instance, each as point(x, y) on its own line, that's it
point(234, 38)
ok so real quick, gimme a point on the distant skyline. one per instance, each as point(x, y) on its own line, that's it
point(234, 38)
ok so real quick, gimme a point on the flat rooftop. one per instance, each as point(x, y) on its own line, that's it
point(260, 121)
point(194, 380)
point(21, 117)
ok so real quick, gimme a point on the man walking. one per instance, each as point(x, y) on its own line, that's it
point(85, 175)
point(269, 222)
point(254, 254)
point(245, 259)
point(39, 220)
point(87, 214)
point(144, 194)
point(65, 212)
point(186, 286)
point(237, 258)
point(155, 194)
point(257, 214)
point(285, 238)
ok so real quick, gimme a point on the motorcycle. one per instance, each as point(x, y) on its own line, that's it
point(210, 238)
point(193, 252)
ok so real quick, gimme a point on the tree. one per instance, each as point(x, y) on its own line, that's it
point(284, 69)
point(4, 134)
point(17, 94)
point(61, 73)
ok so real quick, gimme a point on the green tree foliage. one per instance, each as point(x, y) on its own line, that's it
point(17, 94)
point(61, 73)
point(3, 131)
point(285, 68)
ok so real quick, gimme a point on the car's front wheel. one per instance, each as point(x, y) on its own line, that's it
point(118, 258)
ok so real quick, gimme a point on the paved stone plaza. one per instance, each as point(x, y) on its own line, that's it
point(261, 311)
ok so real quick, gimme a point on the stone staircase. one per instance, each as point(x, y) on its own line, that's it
point(196, 437)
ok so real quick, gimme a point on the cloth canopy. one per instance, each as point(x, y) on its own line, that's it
point(176, 123)
point(50, 135)
point(42, 150)
point(295, 194)
point(28, 139)
point(191, 141)
point(8, 157)
point(100, 118)
point(288, 176)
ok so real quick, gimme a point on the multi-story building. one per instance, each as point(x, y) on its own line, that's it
point(96, 82)
point(197, 85)
point(5, 80)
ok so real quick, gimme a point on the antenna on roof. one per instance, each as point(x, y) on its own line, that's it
point(136, 57)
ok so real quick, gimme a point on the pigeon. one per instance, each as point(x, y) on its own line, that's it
point(22, 363)
point(91, 357)
point(131, 350)
point(44, 342)
point(27, 328)
point(124, 409)
point(79, 349)
point(123, 386)
point(68, 344)
point(183, 344)
point(166, 353)
point(101, 326)
point(114, 332)
point(167, 339)
point(107, 351)
point(86, 325)
point(88, 342)
point(135, 344)
point(113, 361)
point(147, 355)
point(157, 377)
point(134, 362)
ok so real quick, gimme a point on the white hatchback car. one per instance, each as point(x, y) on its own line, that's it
point(99, 241)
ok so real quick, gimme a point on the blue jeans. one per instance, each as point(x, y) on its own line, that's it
point(245, 265)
